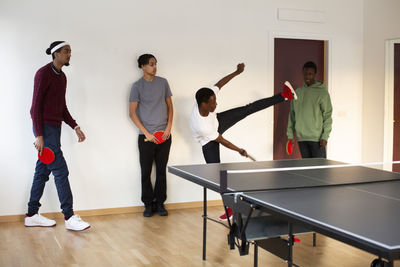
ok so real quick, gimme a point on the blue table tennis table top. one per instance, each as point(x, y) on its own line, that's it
point(357, 205)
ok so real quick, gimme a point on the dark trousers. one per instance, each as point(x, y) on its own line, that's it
point(230, 117)
point(159, 153)
point(51, 137)
point(309, 149)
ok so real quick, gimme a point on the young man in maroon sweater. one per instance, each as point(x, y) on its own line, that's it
point(48, 111)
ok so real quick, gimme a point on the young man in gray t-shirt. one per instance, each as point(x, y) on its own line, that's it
point(151, 110)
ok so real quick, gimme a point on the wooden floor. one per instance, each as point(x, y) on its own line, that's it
point(132, 240)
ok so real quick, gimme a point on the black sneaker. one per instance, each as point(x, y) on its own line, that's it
point(161, 210)
point(147, 211)
point(153, 206)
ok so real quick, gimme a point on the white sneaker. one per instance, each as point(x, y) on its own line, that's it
point(75, 223)
point(39, 220)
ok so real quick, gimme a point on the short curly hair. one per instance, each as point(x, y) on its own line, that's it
point(144, 59)
point(310, 65)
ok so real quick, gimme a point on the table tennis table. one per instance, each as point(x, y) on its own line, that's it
point(357, 205)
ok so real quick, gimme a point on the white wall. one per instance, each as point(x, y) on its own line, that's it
point(196, 43)
point(379, 27)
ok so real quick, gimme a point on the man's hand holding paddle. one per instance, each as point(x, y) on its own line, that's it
point(150, 138)
point(220, 139)
point(243, 152)
point(167, 133)
point(39, 144)
point(45, 154)
point(158, 137)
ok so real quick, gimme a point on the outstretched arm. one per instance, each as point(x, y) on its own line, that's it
point(229, 145)
point(226, 79)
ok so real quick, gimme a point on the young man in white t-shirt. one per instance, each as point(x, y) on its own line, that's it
point(207, 126)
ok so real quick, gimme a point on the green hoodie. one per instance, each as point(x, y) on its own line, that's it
point(311, 114)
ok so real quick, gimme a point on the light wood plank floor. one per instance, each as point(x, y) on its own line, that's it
point(176, 240)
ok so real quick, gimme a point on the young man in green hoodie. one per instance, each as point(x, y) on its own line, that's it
point(311, 115)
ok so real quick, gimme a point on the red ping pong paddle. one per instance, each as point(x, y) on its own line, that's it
point(289, 147)
point(47, 156)
point(158, 135)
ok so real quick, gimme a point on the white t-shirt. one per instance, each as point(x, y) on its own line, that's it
point(204, 129)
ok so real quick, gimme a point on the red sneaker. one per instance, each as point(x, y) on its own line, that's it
point(288, 91)
point(223, 216)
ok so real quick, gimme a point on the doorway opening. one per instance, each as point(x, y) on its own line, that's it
point(289, 58)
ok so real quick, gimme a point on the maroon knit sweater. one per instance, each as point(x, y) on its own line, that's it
point(48, 102)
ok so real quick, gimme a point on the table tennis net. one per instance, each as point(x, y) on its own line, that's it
point(302, 177)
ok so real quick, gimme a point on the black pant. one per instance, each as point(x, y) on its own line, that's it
point(230, 117)
point(150, 151)
point(309, 149)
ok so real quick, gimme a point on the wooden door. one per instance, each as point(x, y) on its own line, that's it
point(290, 56)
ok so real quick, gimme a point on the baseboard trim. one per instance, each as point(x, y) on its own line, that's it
point(110, 211)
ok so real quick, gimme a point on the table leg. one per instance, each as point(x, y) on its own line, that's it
point(255, 254)
point(204, 222)
point(314, 239)
point(291, 241)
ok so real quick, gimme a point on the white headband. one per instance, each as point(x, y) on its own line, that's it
point(58, 47)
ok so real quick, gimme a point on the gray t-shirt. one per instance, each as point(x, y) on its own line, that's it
point(152, 109)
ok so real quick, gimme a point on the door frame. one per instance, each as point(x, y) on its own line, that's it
point(305, 36)
point(389, 106)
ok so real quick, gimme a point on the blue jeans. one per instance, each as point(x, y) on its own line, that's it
point(51, 137)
